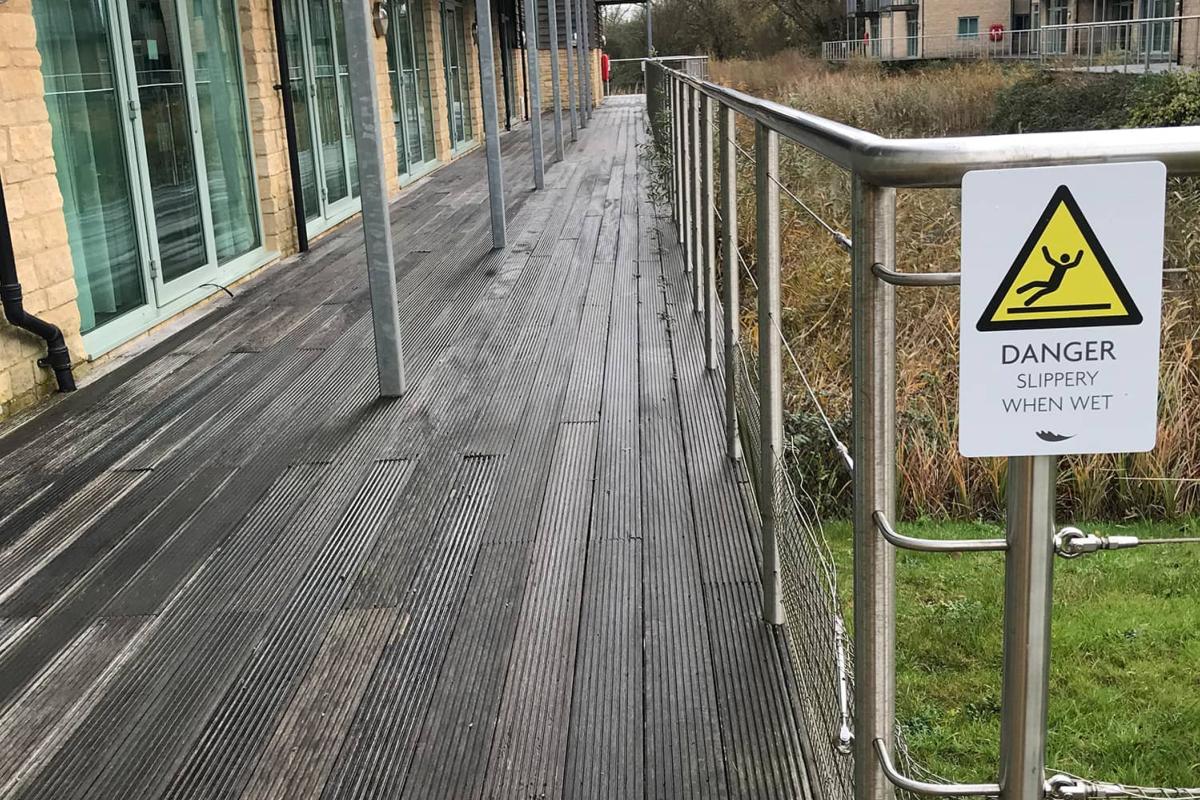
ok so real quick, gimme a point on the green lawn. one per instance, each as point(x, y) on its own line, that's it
point(1125, 684)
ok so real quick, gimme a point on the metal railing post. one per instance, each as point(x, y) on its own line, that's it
point(697, 207)
point(555, 80)
point(1028, 598)
point(572, 97)
point(686, 173)
point(708, 230)
point(377, 229)
point(874, 411)
point(533, 69)
point(677, 151)
point(770, 364)
point(729, 234)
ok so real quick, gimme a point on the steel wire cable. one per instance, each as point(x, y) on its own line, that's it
point(843, 241)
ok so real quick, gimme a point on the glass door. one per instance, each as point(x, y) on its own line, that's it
point(319, 82)
point(458, 94)
point(1160, 34)
point(152, 150)
point(409, 72)
point(93, 156)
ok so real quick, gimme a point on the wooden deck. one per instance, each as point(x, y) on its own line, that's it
point(228, 570)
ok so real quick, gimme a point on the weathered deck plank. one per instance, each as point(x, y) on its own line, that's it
point(228, 570)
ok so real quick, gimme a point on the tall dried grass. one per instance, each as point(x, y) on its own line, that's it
point(934, 480)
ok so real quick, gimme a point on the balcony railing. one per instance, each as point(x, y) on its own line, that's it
point(1143, 45)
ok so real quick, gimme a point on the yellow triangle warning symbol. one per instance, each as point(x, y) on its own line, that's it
point(1061, 279)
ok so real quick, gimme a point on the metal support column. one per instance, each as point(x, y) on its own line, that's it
point(697, 232)
point(708, 230)
point(649, 30)
point(770, 364)
point(491, 122)
point(581, 65)
point(534, 90)
point(729, 234)
point(377, 229)
point(1028, 596)
point(555, 80)
point(585, 56)
point(572, 97)
point(874, 409)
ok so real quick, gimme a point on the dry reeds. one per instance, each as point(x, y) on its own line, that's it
point(934, 480)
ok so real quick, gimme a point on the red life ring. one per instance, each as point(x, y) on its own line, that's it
point(996, 33)
point(605, 67)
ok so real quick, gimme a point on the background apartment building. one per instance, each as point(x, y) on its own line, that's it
point(144, 153)
point(897, 30)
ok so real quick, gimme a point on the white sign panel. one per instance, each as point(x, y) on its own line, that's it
point(1061, 303)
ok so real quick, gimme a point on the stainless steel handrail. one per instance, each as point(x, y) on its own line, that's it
point(906, 783)
point(934, 163)
point(897, 278)
point(898, 539)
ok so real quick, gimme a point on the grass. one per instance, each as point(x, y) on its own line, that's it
point(1125, 690)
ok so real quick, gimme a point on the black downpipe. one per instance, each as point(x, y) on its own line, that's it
point(505, 68)
point(58, 357)
point(284, 87)
point(522, 34)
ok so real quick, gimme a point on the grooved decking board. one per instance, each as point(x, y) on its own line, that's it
point(229, 570)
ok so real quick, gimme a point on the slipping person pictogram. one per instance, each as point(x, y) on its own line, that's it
point(1060, 265)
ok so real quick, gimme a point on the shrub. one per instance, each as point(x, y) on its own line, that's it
point(1065, 101)
point(1167, 100)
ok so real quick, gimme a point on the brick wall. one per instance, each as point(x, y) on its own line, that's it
point(939, 22)
point(547, 80)
point(35, 213)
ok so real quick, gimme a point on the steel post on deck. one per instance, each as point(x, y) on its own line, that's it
point(376, 221)
point(708, 227)
point(555, 80)
point(1028, 599)
point(729, 234)
point(697, 232)
point(572, 96)
point(491, 122)
point(580, 85)
point(770, 365)
point(873, 212)
point(587, 59)
point(534, 84)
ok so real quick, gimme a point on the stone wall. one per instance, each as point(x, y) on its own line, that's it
point(35, 213)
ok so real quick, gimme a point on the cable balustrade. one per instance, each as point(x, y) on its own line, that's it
point(847, 688)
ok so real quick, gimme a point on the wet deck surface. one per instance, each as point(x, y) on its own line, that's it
point(228, 570)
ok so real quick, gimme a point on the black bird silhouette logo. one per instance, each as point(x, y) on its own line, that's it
point(1048, 436)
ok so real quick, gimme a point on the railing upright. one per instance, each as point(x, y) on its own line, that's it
point(729, 234)
point(873, 211)
point(770, 364)
point(697, 208)
point(708, 227)
point(685, 224)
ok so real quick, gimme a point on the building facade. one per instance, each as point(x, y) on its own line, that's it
point(1102, 32)
point(144, 153)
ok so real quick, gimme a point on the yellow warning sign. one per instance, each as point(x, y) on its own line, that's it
point(1061, 279)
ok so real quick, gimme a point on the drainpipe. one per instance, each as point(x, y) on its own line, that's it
point(58, 357)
